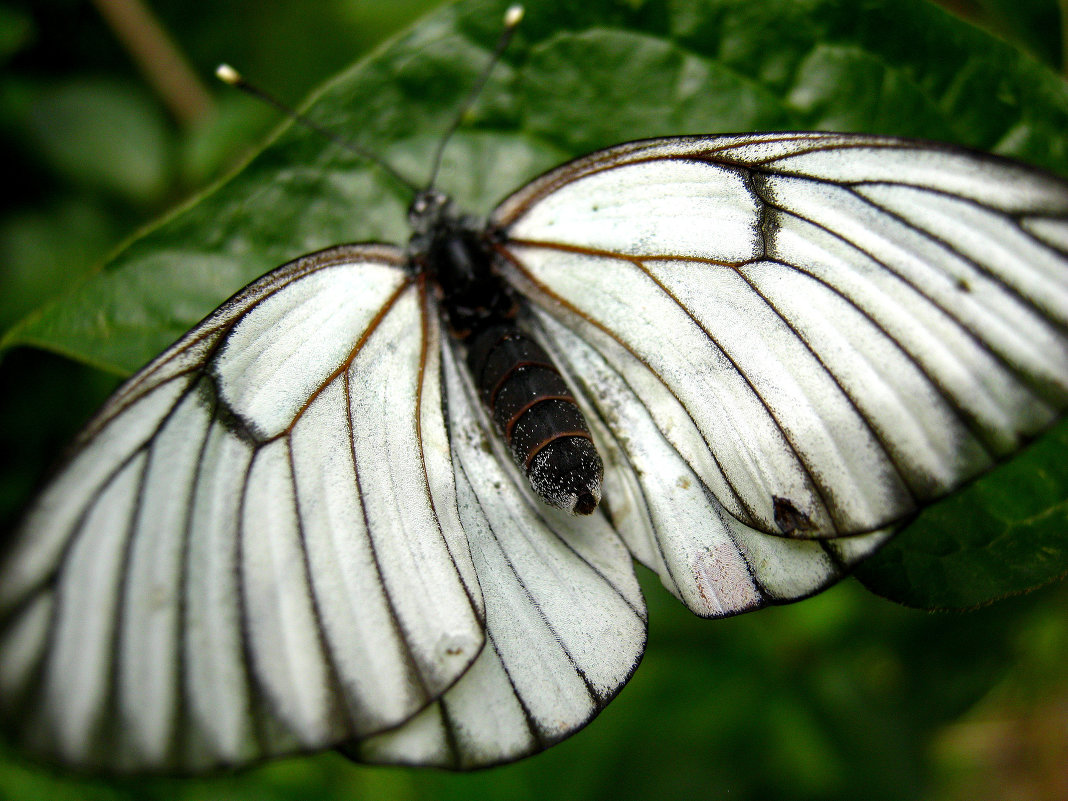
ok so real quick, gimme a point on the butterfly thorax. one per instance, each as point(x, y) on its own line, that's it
point(455, 250)
point(519, 384)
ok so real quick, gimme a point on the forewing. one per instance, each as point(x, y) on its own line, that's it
point(255, 546)
point(831, 330)
point(808, 335)
point(565, 618)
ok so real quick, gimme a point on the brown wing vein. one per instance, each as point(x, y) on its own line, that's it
point(402, 635)
point(876, 435)
point(424, 344)
point(947, 313)
point(802, 460)
point(325, 644)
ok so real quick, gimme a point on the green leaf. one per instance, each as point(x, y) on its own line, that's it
point(1033, 25)
point(37, 262)
point(576, 79)
point(1005, 534)
point(16, 32)
point(102, 134)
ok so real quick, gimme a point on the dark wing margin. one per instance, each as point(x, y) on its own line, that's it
point(822, 333)
point(255, 547)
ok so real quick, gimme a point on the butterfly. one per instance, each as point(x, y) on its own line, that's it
point(320, 518)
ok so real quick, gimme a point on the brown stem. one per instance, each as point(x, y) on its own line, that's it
point(159, 60)
point(1063, 4)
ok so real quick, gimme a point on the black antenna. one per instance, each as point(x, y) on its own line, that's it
point(227, 74)
point(512, 18)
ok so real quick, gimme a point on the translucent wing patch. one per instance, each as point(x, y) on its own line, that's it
point(850, 327)
point(255, 547)
point(564, 615)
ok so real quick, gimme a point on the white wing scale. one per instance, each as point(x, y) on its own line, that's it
point(670, 520)
point(233, 611)
point(766, 398)
point(564, 615)
point(860, 326)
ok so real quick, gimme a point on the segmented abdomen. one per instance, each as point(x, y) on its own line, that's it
point(535, 411)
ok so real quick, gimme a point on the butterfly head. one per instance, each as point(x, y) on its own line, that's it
point(429, 210)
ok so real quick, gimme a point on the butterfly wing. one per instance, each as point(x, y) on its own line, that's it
point(269, 539)
point(255, 547)
point(819, 334)
point(672, 521)
point(565, 618)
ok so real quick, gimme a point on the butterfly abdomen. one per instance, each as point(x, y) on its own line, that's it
point(537, 415)
point(520, 386)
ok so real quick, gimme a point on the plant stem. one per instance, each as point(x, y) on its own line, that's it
point(159, 60)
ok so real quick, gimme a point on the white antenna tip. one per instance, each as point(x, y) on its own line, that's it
point(513, 16)
point(227, 74)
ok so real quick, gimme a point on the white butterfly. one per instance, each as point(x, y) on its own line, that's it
point(298, 528)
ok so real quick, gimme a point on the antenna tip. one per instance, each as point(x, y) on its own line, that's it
point(227, 74)
point(513, 16)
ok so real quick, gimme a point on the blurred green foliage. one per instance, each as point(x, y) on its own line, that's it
point(1035, 26)
point(842, 696)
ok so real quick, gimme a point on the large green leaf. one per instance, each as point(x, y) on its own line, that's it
point(575, 80)
point(1033, 25)
point(1005, 534)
